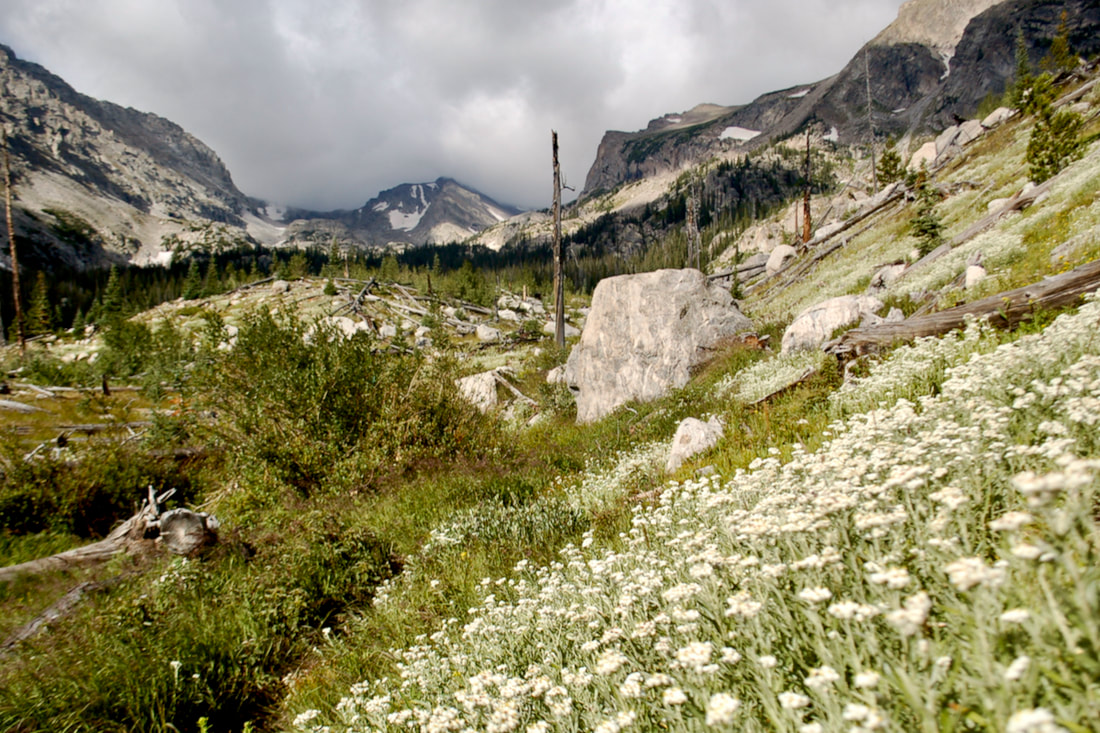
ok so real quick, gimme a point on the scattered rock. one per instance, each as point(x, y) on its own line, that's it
point(945, 138)
point(974, 275)
point(896, 315)
point(480, 390)
point(556, 375)
point(813, 326)
point(925, 156)
point(549, 328)
point(830, 228)
point(280, 286)
point(693, 436)
point(996, 205)
point(487, 334)
point(886, 275)
point(996, 117)
point(508, 315)
point(643, 336)
point(778, 258)
point(387, 331)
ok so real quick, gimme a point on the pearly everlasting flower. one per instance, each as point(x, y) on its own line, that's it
point(767, 661)
point(539, 727)
point(632, 685)
point(610, 662)
point(695, 655)
point(1026, 551)
point(1018, 667)
point(815, 595)
point(1036, 720)
point(673, 696)
point(793, 700)
point(909, 619)
point(811, 728)
point(967, 572)
point(1015, 616)
point(1011, 521)
point(894, 578)
point(867, 680)
point(821, 677)
point(742, 604)
point(721, 708)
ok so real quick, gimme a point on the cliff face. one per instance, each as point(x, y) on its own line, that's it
point(96, 182)
point(939, 59)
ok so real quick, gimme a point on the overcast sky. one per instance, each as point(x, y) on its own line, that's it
point(323, 103)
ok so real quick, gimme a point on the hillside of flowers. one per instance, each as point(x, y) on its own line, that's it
point(933, 566)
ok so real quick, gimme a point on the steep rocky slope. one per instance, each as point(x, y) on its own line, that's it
point(938, 60)
point(96, 182)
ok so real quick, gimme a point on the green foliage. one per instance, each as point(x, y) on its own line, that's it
point(330, 288)
point(1061, 56)
point(39, 316)
point(192, 284)
point(890, 167)
point(1055, 143)
point(1021, 84)
point(333, 407)
point(926, 225)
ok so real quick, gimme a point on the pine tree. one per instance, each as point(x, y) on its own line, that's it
point(1061, 56)
point(926, 225)
point(1054, 143)
point(40, 312)
point(890, 168)
point(1021, 85)
point(112, 294)
point(211, 283)
point(192, 284)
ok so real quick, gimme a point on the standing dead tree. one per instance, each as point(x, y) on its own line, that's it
point(807, 229)
point(559, 257)
point(11, 242)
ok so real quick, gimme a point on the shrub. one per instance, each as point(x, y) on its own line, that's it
point(1054, 143)
point(926, 224)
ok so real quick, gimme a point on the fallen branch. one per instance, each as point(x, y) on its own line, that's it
point(1003, 310)
point(56, 611)
point(180, 530)
point(501, 380)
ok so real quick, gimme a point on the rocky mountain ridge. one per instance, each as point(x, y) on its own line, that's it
point(437, 212)
point(935, 63)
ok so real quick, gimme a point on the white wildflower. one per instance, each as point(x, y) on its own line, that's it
point(1011, 521)
point(673, 696)
point(815, 595)
point(1015, 616)
point(610, 662)
point(793, 700)
point(894, 578)
point(909, 619)
point(867, 680)
point(967, 572)
point(821, 677)
point(721, 708)
point(1018, 667)
point(1036, 720)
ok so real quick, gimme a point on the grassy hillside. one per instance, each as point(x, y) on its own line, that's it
point(908, 544)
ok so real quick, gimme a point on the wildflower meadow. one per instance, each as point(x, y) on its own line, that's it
point(931, 567)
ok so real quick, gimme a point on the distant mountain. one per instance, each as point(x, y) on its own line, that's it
point(939, 59)
point(410, 214)
point(97, 183)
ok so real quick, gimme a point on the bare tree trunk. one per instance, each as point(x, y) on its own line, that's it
point(870, 122)
point(807, 230)
point(11, 241)
point(559, 259)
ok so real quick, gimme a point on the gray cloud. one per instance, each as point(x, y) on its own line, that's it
point(323, 103)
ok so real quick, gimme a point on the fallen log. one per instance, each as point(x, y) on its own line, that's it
point(181, 531)
point(55, 612)
point(1003, 310)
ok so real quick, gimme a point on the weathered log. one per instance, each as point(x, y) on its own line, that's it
point(58, 610)
point(14, 406)
point(102, 427)
point(137, 535)
point(1003, 310)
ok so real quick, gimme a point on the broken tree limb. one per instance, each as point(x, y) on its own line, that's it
point(57, 610)
point(519, 395)
point(139, 534)
point(1003, 310)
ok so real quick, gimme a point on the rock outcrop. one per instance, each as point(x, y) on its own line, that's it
point(693, 436)
point(644, 334)
point(813, 326)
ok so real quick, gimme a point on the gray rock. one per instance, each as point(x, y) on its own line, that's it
point(925, 156)
point(779, 257)
point(757, 261)
point(280, 286)
point(896, 315)
point(643, 336)
point(996, 117)
point(831, 228)
point(550, 329)
point(508, 315)
point(479, 389)
point(884, 276)
point(556, 375)
point(487, 333)
point(387, 331)
point(945, 138)
point(974, 275)
point(813, 326)
point(693, 436)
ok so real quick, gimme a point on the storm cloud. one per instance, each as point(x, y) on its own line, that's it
point(323, 103)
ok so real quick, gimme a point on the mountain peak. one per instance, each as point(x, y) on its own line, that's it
point(938, 24)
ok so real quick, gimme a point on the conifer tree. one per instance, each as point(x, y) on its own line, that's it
point(926, 225)
point(1061, 56)
point(211, 283)
point(192, 283)
point(40, 312)
point(1021, 85)
point(112, 294)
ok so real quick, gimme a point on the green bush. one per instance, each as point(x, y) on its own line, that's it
point(1054, 143)
point(307, 404)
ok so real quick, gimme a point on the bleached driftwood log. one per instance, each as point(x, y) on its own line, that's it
point(1003, 310)
point(181, 531)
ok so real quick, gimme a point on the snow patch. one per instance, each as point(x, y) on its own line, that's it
point(274, 212)
point(263, 231)
point(739, 134)
point(405, 222)
point(833, 135)
point(799, 95)
point(380, 206)
point(675, 120)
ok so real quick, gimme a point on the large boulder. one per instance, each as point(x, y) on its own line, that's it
point(644, 334)
point(479, 389)
point(778, 258)
point(813, 326)
point(693, 436)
